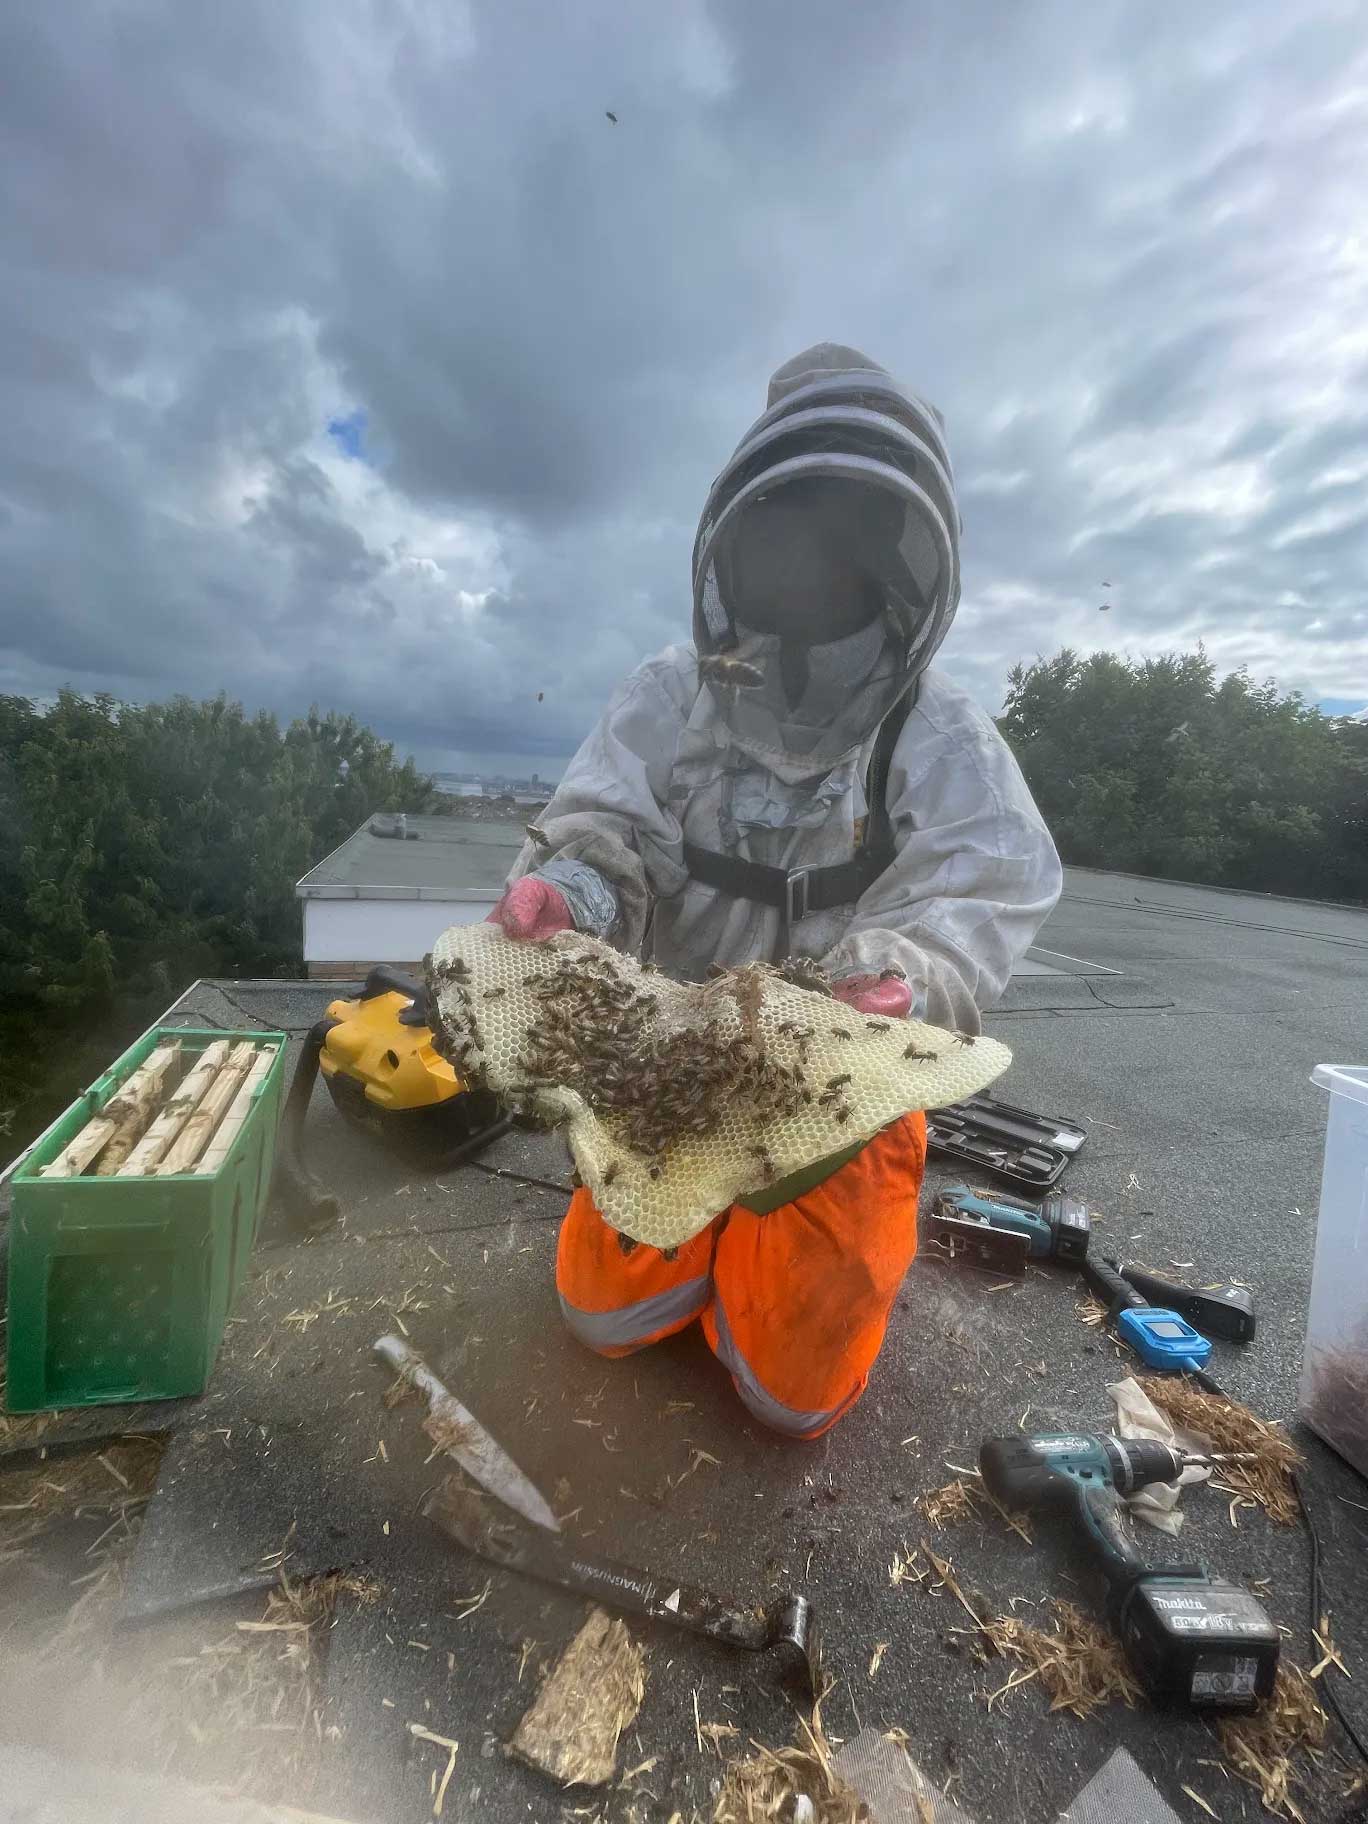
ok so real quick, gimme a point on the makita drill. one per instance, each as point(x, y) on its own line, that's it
point(1195, 1639)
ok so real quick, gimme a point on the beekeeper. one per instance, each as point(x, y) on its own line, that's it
point(799, 779)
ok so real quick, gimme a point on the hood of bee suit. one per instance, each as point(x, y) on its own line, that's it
point(833, 417)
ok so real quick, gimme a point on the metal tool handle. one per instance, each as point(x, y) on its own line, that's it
point(405, 1360)
point(787, 1626)
point(1109, 1288)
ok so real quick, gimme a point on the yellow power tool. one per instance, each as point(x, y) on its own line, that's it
point(385, 1077)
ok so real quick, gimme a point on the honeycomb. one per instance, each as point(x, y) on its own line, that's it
point(591, 1040)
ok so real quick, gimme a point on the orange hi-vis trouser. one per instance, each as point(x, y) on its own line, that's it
point(794, 1304)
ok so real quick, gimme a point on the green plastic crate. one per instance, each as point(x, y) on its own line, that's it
point(119, 1288)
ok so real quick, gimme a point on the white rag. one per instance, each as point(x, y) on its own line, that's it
point(1137, 1416)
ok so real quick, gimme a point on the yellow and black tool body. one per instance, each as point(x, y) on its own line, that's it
point(385, 1076)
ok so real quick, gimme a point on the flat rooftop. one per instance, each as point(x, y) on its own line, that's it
point(441, 858)
point(1189, 1066)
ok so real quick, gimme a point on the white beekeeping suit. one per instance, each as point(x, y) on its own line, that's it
point(755, 747)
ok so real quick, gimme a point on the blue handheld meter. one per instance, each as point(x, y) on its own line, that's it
point(1163, 1339)
point(1158, 1336)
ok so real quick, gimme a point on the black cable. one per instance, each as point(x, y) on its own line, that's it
point(1317, 1586)
point(1318, 1608)
point(503, 1171)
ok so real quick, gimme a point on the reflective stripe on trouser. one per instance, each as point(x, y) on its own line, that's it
point(794, 1304)
point(802, 1296)
point(617, 1300)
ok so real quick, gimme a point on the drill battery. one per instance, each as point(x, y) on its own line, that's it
point(1198, 1640)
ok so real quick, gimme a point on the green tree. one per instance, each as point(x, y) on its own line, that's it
point(141, 846)
point(1157, 767)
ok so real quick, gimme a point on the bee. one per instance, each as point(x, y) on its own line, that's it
point(893, 974)
point(876, 1025)
point(964, 1038)
point(836, 1082)
point(841, 1032)
point(913, 1051)
point(654, 1171)
point(843, 1114)
point(832, 1095)
point(610, 1172)
point(494, 994)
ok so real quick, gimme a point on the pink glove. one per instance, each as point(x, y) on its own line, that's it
point(532, 910)
point(888, 997)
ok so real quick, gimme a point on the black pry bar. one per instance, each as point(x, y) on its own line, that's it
point(787, 1625)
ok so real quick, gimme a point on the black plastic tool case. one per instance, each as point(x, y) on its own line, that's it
point(1013, 1144)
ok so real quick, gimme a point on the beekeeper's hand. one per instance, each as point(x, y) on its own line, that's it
point(532, 910)
point(561, 895)
point(886, 996)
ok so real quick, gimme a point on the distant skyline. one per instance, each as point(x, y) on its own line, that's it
point(352, 356)
point(522, 766)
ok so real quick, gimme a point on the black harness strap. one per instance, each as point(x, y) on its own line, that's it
point(795, 892)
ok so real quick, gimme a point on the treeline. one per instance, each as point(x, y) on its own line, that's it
point(1158, 767)
point(142, 847)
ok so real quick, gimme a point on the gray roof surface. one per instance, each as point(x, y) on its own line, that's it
point(451, 856)
point(1190, 1070)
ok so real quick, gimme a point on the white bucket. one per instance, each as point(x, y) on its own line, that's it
point(1334, 1384)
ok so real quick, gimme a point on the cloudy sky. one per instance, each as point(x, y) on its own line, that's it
point(350, 353)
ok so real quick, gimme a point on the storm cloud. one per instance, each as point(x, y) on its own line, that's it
point(350, 353)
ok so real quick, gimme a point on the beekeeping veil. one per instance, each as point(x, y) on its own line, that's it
point(839, 431)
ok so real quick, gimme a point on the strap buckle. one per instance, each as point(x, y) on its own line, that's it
point(796, 895)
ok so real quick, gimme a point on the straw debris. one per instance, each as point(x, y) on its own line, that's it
point(1261, 1747)
point(116, 1481)
point(956, 1501)
point(1229, 1426)
point(1078, 1663)
point(20, 1430)
point(256, 1691)
point(768, 1785)
point(593, 1693)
